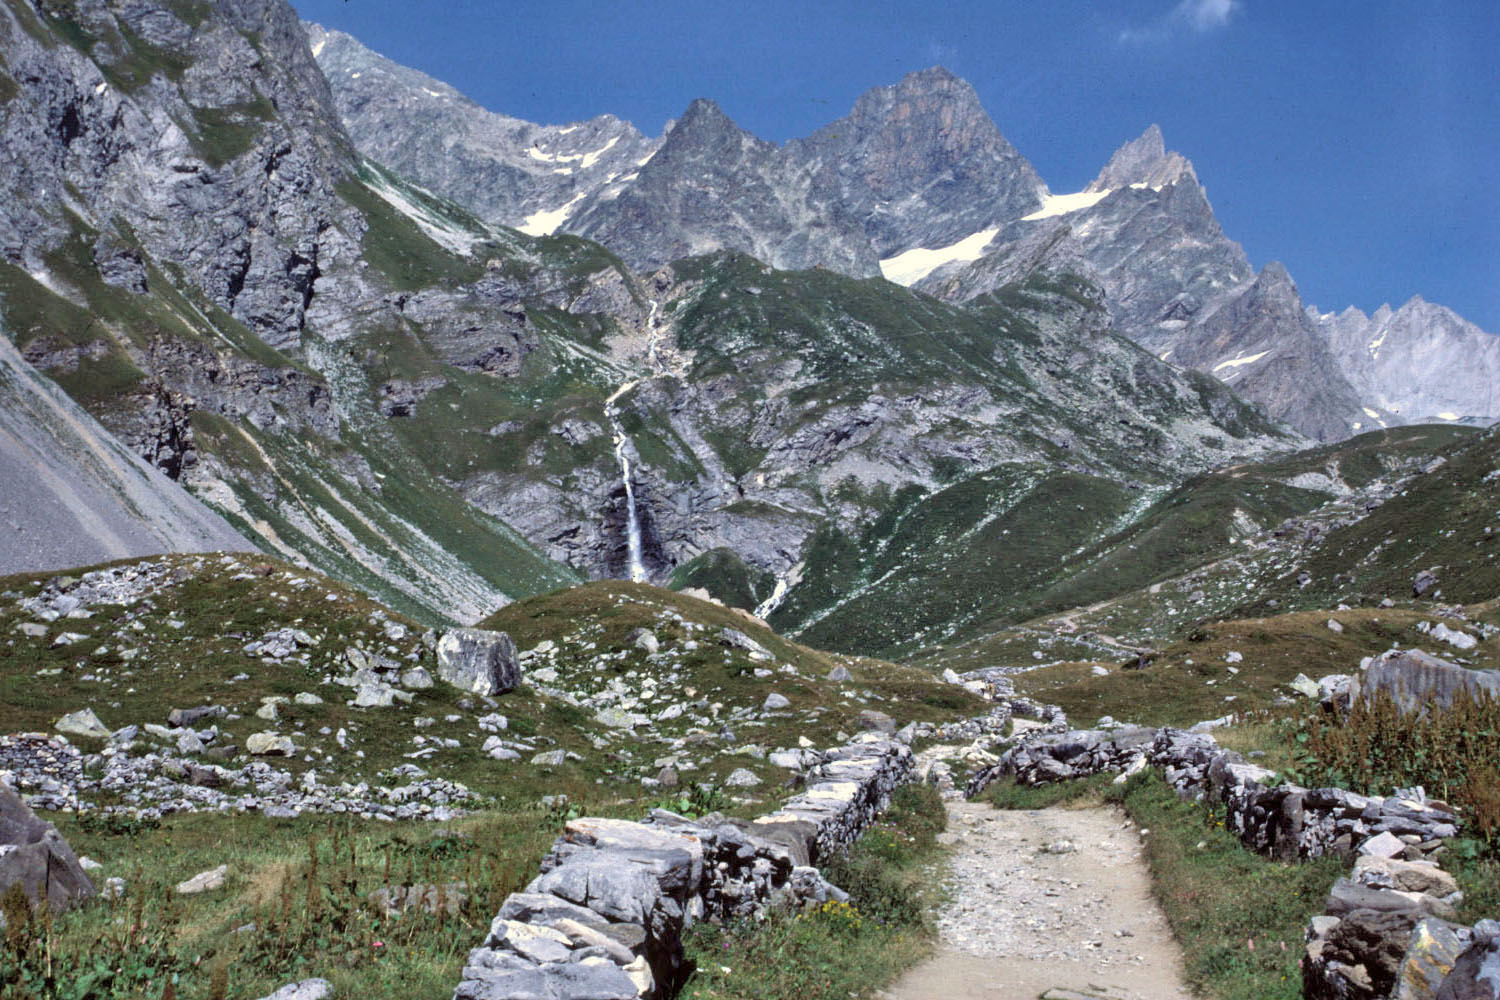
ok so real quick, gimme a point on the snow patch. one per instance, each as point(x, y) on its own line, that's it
point(1447, 415)
point(1375, 344)
point(1372, 414)
point(584, 160)
point(1062, 204)
point(1238, 362)
point(589, 159)
point(565, 131)
point(913, 265)
point(546, 223)
point(430, 92)
point(317, 49)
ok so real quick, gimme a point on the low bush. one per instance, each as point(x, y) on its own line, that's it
point(1376, 748)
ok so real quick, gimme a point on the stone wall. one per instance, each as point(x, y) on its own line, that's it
point(1387, 929)
point(1282, 820)
point(604, 920)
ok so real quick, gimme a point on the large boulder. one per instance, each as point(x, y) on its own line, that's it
point(479, 661)
point(1415, 680)
point(35, 856)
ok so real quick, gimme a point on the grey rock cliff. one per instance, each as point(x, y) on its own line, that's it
point(1420, 362)
point(504, 169)
point(213, 146)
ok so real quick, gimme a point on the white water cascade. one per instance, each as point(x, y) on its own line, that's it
point(632, 517)
point(660, 359)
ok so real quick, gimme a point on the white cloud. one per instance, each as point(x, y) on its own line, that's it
point(1191, 15)
point(1206, 15)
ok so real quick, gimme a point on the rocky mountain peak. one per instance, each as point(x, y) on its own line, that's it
point(703, 119)
point(1143, 161)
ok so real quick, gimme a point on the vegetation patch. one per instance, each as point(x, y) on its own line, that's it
point(1238, 917)
point(1375, 748)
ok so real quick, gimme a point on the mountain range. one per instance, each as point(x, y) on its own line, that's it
point(917, 183)
point(456, 359)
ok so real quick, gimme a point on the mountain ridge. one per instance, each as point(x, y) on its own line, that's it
point(918, 183)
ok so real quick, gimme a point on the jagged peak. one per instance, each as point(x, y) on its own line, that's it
point(1275, 274)
point(933, 87)
point(703, 113)
point(1143, 160)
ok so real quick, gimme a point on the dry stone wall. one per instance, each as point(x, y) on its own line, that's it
point(1387, 929)
point(605, 918)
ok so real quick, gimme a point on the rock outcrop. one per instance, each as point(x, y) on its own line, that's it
point(34, 856)
point(1419, 682)
point(478, 661)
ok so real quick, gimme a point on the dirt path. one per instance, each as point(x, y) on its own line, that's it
point(1053, 899)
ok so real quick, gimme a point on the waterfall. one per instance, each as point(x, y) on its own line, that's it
point(632, 517)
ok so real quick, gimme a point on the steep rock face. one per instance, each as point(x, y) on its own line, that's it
point(1264, 346)
point(712, 186)
point(75, 495)
point(506, 170)
point(1144, 230)
point(915, 164)
point(1419, 362)
point(213, 145)
point(191, 246)
point(1147, 233)
point(919, 164)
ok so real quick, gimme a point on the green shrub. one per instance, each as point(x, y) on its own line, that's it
point(1376, 748)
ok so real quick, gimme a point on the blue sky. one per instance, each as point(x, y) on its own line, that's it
point(1358, 143)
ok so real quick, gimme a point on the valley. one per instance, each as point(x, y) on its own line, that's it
point(446, 555)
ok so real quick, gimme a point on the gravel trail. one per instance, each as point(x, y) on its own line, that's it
point(1053, 899)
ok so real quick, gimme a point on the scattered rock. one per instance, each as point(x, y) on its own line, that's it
point(774, 701)
point(742, 777)
point(269, 744)
point(204, 881)
point(643, 639)
point(417, 678)
point(82, 723)
point(307, 989)
point(1423, 582)
point(479, 661)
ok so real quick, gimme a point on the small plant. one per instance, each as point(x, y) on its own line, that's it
point(696, 802)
